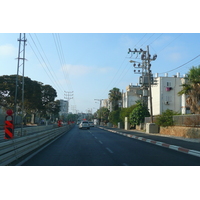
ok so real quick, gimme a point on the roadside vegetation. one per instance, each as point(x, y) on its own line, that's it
point(39, 99)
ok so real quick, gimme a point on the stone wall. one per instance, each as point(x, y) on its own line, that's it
point(186, 132)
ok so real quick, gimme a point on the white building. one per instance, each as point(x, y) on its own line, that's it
point(130, 96)
point(63, 107)
point(165, 95)
point(105, 103)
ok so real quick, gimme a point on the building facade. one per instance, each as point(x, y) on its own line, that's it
point(165, 95)
point(63, 107)
point(130, 96)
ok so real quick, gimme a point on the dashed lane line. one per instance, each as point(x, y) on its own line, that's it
point(100, 142)
point(109, 150)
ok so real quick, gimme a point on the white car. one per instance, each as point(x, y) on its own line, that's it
point(84, 124)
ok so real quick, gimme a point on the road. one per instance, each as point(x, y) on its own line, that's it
point(97, 147)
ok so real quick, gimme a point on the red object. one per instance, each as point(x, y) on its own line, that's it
point(59, 123)
point(9, 112)
point(8, 128)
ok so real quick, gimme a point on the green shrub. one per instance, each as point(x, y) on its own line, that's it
point(166, 118)
point(139, 113)
point(114, 117)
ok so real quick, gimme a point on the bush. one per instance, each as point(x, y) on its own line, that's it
point(166, 118)
point(125, 112)
point(138, 114)
point(114, 117)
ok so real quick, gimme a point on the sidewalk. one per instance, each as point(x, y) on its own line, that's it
point(185, 143)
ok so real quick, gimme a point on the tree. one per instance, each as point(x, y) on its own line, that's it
point(114, 117)
point(32, 93)
point(191, 88)
point(114, 96)
point(38, 98)
point(102, 114)
point(139, 113)
point(125, 112)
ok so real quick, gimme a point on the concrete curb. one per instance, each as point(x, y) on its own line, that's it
point(162, 144)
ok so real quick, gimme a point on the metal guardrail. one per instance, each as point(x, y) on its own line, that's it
point(27, 130)
point(13, 149)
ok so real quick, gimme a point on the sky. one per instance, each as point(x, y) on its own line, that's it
point(91, 64)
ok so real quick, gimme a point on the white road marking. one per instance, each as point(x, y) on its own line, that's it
point(100, 142)
point(109, 150)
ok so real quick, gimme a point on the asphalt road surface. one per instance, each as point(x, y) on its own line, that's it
point(97, 147)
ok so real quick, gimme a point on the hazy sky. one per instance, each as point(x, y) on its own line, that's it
point(90, 64)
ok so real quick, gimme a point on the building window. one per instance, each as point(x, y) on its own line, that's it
point(169, 84)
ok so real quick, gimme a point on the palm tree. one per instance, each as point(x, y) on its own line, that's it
point(114, 96)
point(191, 88)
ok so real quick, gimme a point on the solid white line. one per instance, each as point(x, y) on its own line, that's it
point(173, 147)
point(194, 153)
point(109, 150)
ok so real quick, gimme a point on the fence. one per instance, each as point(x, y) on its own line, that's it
point(18, 132)
point(187, 120)
point(192, 120)
point(14, 149)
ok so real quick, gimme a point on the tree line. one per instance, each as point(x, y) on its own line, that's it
point(38, 98)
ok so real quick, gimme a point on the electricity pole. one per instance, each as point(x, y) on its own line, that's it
point(146, 79)
point(68, 96)
point(100, 100)
point(21, 63)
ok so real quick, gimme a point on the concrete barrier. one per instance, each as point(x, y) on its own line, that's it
point(13, 149)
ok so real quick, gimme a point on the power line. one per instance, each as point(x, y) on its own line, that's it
point(114, 76)
point(170, 42)
point(140, 39)
point(156, 39)
point(61, 56)
point(181, 65)
point(48, 62)
point(44, 63)
point(147, 39)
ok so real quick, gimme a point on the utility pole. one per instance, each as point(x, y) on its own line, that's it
point(146, 79)
point(21, 63)
point(68, 96)
point(100, 100)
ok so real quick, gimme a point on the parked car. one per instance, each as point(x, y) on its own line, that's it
point(91, 124)
point(84, 124)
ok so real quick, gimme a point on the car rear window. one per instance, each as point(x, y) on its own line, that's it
point(84, 122)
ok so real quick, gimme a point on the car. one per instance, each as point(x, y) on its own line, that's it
point(84, 124)
point(91, 124)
